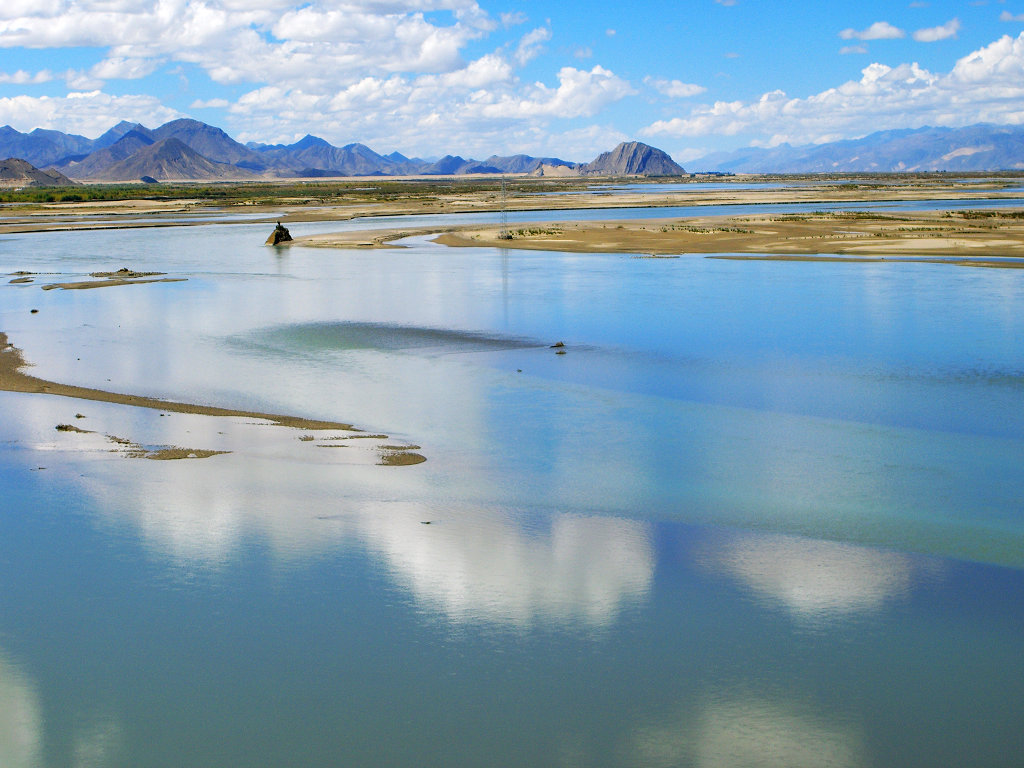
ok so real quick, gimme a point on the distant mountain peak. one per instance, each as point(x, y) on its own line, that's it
point(19, 173)
point(633, 158)
point(307, 141)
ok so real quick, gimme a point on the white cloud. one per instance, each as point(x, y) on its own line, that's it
point(579, 94)
point(86, 113)
point(934, 34)
point(848, 49)
point(726, 2)
point(674, 89)
point(77, 80)
point(122, 68)
point(984, 86)
point(1007, 16)
point(530, 45)
point(209, 104)
point(880, 30)
point(513, 19)
point(264, 41)
point(21, 77)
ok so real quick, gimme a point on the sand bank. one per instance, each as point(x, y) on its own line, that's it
point(378, 196)
point(13, 379)
point(970, 238)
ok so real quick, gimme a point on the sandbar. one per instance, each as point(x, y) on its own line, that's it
point(991, 238)
point(13, 379)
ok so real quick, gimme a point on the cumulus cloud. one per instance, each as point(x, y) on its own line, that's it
point(580, 93)
point(530, 45)
point(21, 77)
point(674, 89)
point(1007, 16)
point(880, 30)
point(984, 86)
point(369, 70)
point(265, 40)
point(934, 34)
point(209, 104)
point(86, 113)
point(848, 49)
point(124, 68)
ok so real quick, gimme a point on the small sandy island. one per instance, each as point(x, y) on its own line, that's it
point(989, 238)
point(13, 379)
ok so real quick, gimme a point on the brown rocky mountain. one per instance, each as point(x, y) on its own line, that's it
point(97, 164)
point(171, 160)
point(20, 173)
point(633, 159)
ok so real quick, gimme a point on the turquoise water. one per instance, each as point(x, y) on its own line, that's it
point(759, 513)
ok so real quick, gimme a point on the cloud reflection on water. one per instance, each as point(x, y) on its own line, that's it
point(485, 567)
point(21, 720)
point(303, 499)
point(815, 580)
point(738, 731)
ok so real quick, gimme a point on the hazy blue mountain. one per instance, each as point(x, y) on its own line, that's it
point(523, 163)
point(116, 156)
point(116, 133)
point(449, 165)
point(41, 148)
point(974, 148)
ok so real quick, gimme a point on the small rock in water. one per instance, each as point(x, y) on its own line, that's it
point(279, 235)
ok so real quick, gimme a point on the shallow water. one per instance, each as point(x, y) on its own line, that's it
point(759, 513)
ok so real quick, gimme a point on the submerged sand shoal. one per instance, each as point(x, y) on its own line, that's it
point(13, 379)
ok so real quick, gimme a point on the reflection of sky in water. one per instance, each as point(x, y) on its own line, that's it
point(291, 594)
point(873, 403)
point(813, 579)
point(738, 732)
point(20, 720)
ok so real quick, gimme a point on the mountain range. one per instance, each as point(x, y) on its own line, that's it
point(980, 147)
point(191, 150)
point(186, 149)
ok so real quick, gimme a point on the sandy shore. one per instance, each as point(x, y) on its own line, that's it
point(13, 379)
point(989, 238)
point(375, 196)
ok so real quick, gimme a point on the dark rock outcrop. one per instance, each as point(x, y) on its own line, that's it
point(279, 235)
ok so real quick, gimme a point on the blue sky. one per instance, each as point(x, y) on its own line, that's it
point(475, 77)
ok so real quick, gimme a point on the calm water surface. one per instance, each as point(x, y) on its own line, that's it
point(759, 513)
